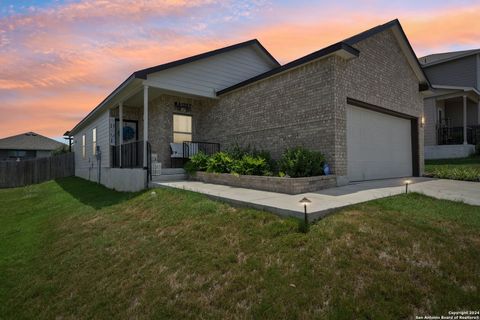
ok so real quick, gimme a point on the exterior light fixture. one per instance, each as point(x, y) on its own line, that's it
point(422, 121)
point(305, 202)
point(407, 182)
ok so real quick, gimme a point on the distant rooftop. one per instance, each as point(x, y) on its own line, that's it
point(445, 56)
point(29, 141)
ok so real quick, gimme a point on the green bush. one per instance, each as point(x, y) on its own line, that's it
point(301, 162)
point(198, 162)
point(220, 162)
point(455, 173)
point(251, 165)
point(60, 150)
point(297, 162)
point(238, 153)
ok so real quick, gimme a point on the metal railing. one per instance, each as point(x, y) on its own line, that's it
point(454, 135)
point(191, 148)
point(132, 155)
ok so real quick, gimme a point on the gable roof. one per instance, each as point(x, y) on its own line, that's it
point(346, 45)
point(29, 141)
point(436, 58)
point(142, 74)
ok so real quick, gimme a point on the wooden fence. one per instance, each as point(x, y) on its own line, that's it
point(25, 172)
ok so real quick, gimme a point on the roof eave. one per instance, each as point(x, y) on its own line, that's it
point(102, 104)
point(340, 48)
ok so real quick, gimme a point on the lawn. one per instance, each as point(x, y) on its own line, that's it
point(71, 249)
point(459, 169)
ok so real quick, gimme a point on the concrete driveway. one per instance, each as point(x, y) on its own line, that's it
point(326, 201)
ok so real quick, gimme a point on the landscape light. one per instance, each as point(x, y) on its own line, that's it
point(305, 203)
point(407, 182)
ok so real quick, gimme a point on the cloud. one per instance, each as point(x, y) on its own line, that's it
point(57, 63)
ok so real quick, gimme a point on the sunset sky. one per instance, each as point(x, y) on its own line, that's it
point(59, 59)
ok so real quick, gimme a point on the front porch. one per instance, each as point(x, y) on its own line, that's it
point(160, 129)
point(457, 120)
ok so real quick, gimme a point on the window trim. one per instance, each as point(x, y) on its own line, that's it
point(94, 141)
point(84, 150)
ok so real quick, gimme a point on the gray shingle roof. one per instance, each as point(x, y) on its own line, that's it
point(29, 141)
point(446, 56)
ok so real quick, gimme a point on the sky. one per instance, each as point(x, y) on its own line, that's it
point(59, 59)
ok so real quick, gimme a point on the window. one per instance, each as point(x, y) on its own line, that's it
point(182, 128)
point(94, 141)
point(84, 154)
point(15, 154)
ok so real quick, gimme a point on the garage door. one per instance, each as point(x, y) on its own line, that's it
point(379, 145)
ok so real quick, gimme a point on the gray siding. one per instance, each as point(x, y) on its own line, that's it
point(103, 141)
point(430, 112)
point(207, 76)
point(461, 72)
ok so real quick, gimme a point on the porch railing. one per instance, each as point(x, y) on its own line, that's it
point(191, 148)
point(132, 155)
point(454, 135)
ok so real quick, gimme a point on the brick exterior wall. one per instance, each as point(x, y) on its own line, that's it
point(273, 184)
point(380, 76)
point(307, 106)
point(291, 109)
point(160, 129)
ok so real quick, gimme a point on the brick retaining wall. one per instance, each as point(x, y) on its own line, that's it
point(273, 184)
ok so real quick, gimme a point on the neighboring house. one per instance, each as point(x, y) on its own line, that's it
point(26, 146)
point(452, 112)
point(358, 101)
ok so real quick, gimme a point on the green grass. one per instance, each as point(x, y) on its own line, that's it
point(467, 169)
point(72, 249)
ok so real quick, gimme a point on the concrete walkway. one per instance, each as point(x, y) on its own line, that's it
point(326, 201)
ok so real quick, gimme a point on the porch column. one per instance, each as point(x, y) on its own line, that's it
point(478, 111)
point(464, 119)
point(120, 124)
point(145, 125)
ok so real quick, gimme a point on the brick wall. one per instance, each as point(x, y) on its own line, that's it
point(160, 131)
point(380, 76)
point(291, 109)
point(307, 106)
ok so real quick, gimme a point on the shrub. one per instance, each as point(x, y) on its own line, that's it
point(455, 173)
point(60, 150)
point(251, 165)
point(301, 162)
point(220, 162)
point(238, 153)
point(198, 162)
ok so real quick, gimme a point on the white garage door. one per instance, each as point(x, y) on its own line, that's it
point(379, 146)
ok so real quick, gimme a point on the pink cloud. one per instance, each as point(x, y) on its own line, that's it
point(58, 64)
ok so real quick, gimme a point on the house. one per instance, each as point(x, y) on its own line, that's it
point(26, 146)
point(358, 101)
point(452, 111)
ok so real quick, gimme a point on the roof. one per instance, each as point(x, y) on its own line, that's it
point(142, 74)
point(342, 45)
point(310, 57)
point(436, 58)
point(456, 88)
point(29, 141)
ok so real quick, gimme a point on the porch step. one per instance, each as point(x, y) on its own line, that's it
point(169, 171)
point(169, 177)
point(170, 174)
